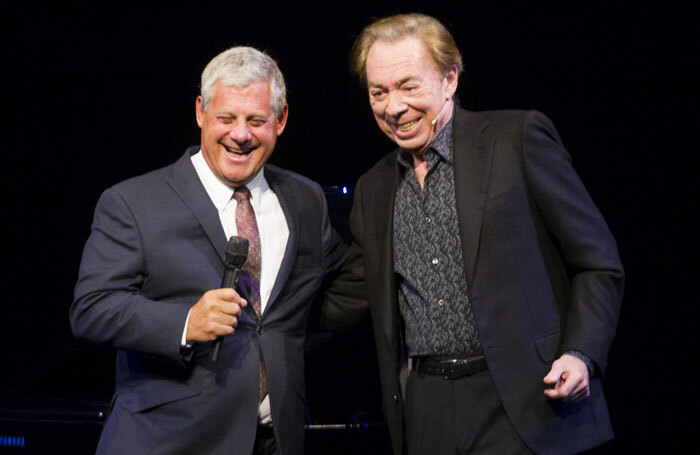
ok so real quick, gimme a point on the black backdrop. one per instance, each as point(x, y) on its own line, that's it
point(95, 94)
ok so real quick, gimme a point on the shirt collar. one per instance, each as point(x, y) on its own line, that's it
point(219, 192)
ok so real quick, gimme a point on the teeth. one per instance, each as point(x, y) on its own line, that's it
point(237, 152)
point(407, 126)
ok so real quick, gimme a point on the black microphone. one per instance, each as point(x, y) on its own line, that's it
point(236, 255)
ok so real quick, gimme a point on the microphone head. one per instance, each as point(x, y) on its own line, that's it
point(236, 251)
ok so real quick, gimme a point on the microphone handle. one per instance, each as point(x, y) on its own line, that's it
point(229, 281)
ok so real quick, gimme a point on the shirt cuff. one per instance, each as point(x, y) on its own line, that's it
point(183, 341)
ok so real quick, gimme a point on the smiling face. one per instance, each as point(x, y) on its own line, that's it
point(239, 131)
point(410, 99)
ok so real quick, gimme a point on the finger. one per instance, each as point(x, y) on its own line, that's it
point(224, 319)
point(556, 391)
point(230, 295)
point(554, 373)
point(557, 394)
point(572, 383)
point(581, 392)
point(551, 393)
point(561, 387)
point(230, 309)
point(220, 330)
point(576, 397)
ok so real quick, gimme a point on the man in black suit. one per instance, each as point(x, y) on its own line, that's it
point(491, 277)
point(153, 264)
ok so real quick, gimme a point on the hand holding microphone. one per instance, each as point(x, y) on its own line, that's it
point(236, 255)
point(216, 312)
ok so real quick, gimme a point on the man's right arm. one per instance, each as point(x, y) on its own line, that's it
point(109, 307)
point(345, 299)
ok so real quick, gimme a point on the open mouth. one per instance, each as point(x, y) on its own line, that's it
point(407, 126)
point(237, 152)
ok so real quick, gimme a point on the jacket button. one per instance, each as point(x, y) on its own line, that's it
point(259, 330)
point(396, 399)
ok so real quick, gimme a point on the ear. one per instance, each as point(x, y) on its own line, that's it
point(199, 111)
point(450, 82)
point(282, 119)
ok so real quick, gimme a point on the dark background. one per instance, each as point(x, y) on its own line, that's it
point(95, 94)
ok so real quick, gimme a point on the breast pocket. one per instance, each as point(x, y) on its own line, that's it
point(500, 200)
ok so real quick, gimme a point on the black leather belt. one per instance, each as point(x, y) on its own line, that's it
point(449, 368)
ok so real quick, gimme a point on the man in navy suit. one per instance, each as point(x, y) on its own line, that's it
point(152, 268)
point(490, 274)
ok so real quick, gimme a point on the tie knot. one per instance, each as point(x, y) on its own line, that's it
point(241, 194)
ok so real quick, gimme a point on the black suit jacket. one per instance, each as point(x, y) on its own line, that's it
point(156, 246)
point(542, 268)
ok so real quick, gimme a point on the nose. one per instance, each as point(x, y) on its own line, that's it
point(239, 132)
point(395, 105)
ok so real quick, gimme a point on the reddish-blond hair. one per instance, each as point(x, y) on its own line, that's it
point(434, 36)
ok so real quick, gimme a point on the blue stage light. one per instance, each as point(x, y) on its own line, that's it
point(11, 441)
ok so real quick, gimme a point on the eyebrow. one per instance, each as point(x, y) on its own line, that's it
point(228, 113)
point(401, 82)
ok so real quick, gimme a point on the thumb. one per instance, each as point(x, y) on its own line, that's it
point(554, 374)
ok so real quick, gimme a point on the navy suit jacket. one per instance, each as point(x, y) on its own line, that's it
point(542, 268)
point(156, 246)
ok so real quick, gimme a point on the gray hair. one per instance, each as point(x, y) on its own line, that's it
point(241, 66)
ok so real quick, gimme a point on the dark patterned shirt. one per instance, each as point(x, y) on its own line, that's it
point(432, 286)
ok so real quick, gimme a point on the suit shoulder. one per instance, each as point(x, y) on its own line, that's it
point(152, 183)
point(379, 171)
point(506, 118)
point(513, 118)
point(142, 183)
point(513, 124)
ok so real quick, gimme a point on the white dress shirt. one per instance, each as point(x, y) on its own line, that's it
point(272, 226)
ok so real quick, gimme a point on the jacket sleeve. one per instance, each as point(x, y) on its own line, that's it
point(109, 307)
point(582, 237)
point(344, 302)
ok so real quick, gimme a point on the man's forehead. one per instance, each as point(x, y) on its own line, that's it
point(404, 59)
point(258, 85)
point(253, 96)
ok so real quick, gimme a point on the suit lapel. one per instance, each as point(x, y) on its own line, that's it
point(382, 200)
point(186, 184)
point(288, 203)
point(472, 165)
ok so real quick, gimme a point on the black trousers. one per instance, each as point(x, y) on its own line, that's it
point(459, 416)
point(265, 441)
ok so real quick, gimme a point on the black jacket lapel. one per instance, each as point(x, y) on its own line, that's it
point(473, 150)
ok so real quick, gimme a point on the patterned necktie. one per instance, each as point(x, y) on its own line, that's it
point(247, 227)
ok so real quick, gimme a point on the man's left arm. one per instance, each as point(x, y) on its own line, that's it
point(589, 250)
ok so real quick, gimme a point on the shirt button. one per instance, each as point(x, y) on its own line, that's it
point(435, 261)
point(441, 302)
point(427, 219)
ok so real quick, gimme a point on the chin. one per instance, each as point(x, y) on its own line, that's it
point(412, 144)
